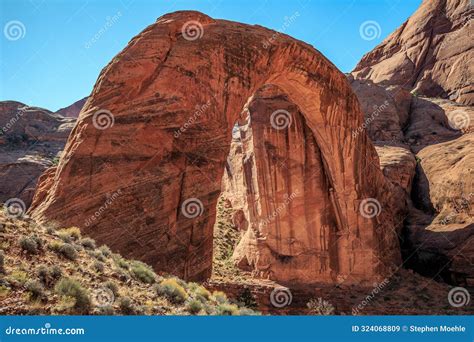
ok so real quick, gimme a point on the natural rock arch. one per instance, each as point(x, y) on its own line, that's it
point(174, 101)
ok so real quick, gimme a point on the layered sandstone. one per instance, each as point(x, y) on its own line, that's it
point(73, 110)
point(172, 97)
point(31, 138)
point(431, 53)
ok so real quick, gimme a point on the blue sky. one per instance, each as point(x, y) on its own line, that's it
point(48, 57)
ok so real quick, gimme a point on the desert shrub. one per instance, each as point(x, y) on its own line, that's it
point(2, 228)
point(112, 287)
point(43, 274)
point(48, 275)
point(68, 251)
point(56, 272)
point(19, 277)
point(120, 262)
point(29, 245)
point(106, 310)
point(227, 309)
point(105, 250)
point(35, 289)
point(72, 288)
point(248, 312)
point(98, 266)
point(142, 272)
point(220, 297)
point(4, 291)
point(97, 254)
point(171, 289)
point(246, 299)
point(121, 274)
point(201, 293)
point(320, 306)
point(55, 246)
point(88, 243)
point(194, 306)
point(2, 262)
point(73, 233)
point(126, 306)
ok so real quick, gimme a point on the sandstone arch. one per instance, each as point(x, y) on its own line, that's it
point(154, 161)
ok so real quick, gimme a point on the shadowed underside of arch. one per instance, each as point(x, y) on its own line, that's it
point(148, 184)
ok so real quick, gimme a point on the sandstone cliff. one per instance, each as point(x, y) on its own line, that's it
point(431, 53)
point(151, 144)
point(30, 140)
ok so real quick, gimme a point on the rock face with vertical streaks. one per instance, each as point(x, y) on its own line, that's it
point(142, 169)
point(431, 53)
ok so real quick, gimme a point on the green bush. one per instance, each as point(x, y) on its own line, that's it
point(72, 288)
point(29, 245)
point(73, 233)
point(35, 289)
point(68, 251)
point(105, 250)
point(202, 293)
point(227, 310)
point(48, 275)
point(126, 306)
point(88, 243)
point(194, 306)
point(98, 266)
point(171, 289)
point(320, 306)
point(120, 262)
point(112, 287)
point(220, 297)
point(106, 310)
point(2, 262)
point(142, 272)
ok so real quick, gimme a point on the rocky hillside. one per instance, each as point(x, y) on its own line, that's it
point(72, 111)
point(425, 144)
point(431, 53)
point(31, 140)
point(48, 270)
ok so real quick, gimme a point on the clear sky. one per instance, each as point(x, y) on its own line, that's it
point(50, 58)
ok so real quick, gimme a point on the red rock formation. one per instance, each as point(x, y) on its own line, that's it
point(30, 138)
point(175, 94)
point(431, 53)
point(72, 111)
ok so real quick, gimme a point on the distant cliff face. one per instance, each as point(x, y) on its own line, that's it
point(72, 111)
point(151, 144)
point(431, 53)
point(30, 140)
